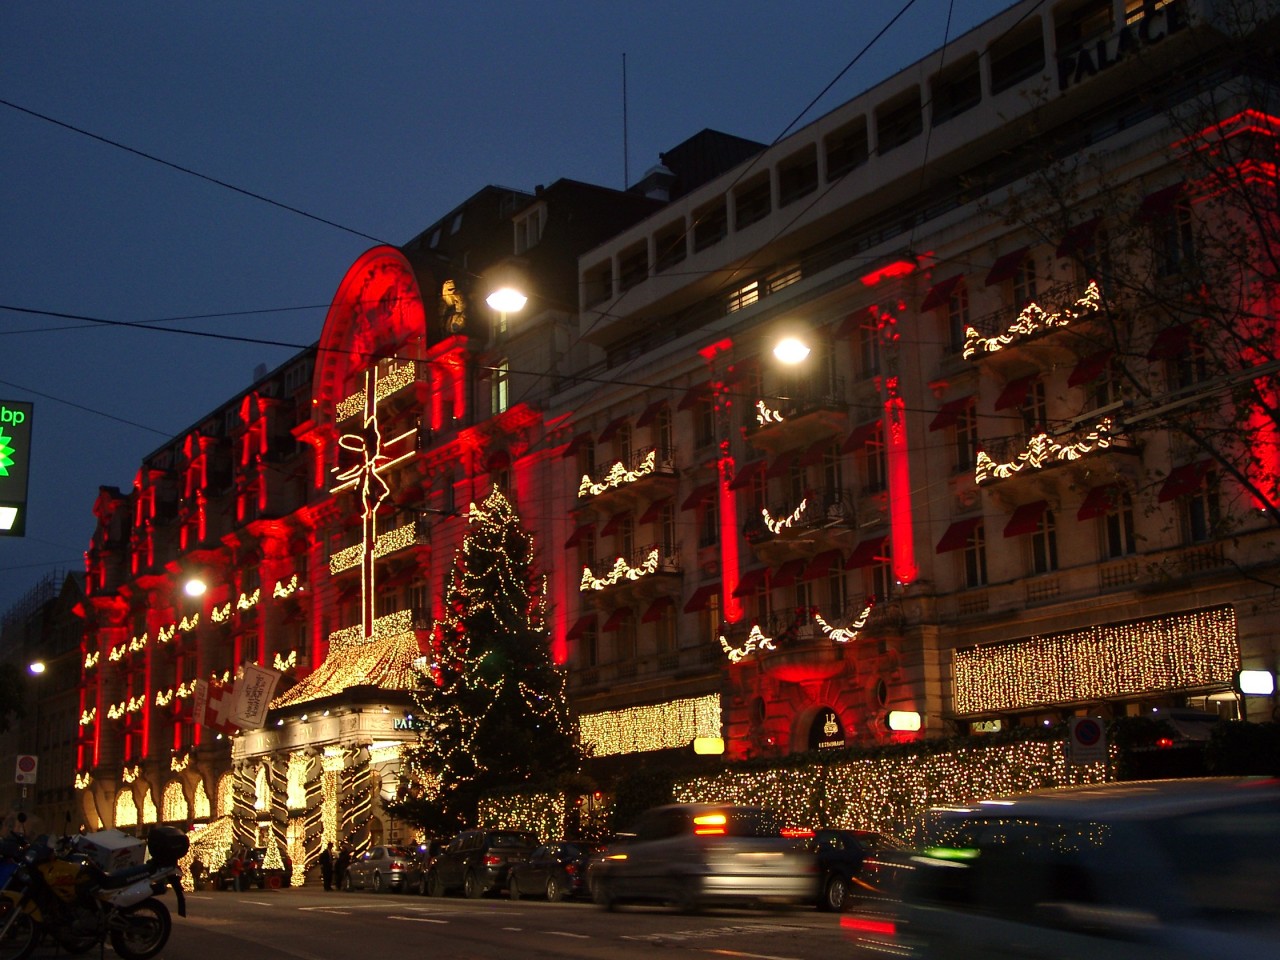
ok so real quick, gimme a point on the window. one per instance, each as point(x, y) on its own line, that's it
point(709, 621)
point(1016, 56)
point(711, 225)
point(798, 175)
point(664, 630)
point(958, 316)
point(669, 246)
point(633, 266)
point(704, 423)
point(501, 385)
point(1075, 25)
point(959, 90)
point(660, 432)
point(597, 284)
point(838, 589)
point(967, 438)
point(1024, 283)
point(880, 581)
point(667, 529)
point(708, 524)
point(751, 202)
point(1035, 410)
point(833, 473)
point(1044, 545)
point(875, 463)
point(974, 556)
point(1190, 366)
point(898, 121)
point(1118, 528)
point(802, 594)
point(622, 444)
point(846, 149)
point(743, 297)
point(868, 333)
point(529, 228)
point(1201, 513)
point(588, 648)
point(624, 638)
point(1173, 240)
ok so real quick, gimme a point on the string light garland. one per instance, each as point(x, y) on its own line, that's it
point(844, 634)
point(1194, 649)
point(777, 526)
point(766, 414)
point(756, 641)
point(1042, 451)
point(285, 663)
point(91, 659)
point(621, 571)
point(178, 764)
point(656, 726)
point(83, 780)
point(1032, 319)
point(88, 716)
point(173, 805)
point(618, 475)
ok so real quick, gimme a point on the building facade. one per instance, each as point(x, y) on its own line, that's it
point(1027, 469)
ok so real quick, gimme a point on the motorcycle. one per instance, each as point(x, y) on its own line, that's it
point(64, 895)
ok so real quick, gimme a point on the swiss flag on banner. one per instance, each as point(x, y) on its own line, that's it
point(212, 706)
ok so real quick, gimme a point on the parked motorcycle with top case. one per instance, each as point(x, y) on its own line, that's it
point(79, 905)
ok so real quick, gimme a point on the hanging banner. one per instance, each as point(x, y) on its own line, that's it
point(211, 706)
point(253, 694)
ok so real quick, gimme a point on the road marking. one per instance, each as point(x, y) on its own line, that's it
point(337, 910)
point(261, 903)
point(753, 956)
point(563, 933)
point(416, 919)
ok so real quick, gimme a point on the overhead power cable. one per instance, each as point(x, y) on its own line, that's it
point(187, 170)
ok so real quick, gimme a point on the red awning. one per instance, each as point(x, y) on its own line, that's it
point(868, 552)
point(958, 534)
point(701, 597)
point(821, 565)
point(862, 434)
point(940, 293)
point(616, 618)
point(815, 452)
point(752, 582)
point(1090, 368)
point(698, 391)
point(1099, 501)
point(699, 496)
point(788, 573)
point(575, 538)
point(654, 510)
point(1015, 392)
point(611, 428)
point(1184, 480)
point(1079, 237)
point(781, 465)
point(1005, 267)
point(577, 443)
point(1026, 519)
point(582, 625)
point(1170, 343)
point(615, 522)
point(657, 609)
point(747, 474)
point(650, 413)
point(950, 412)
point(1161, 202)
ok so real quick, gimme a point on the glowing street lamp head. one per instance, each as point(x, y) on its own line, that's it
point(791, 350)
point(36, 667)
point(507, 300)
point(195, 587)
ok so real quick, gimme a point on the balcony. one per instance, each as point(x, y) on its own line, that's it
point(826, 519)
point(649, 474)
point(791, 422)
point(1061, 326)
point(1021, 458)
point(650, 572)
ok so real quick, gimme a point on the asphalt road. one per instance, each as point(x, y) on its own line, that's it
point(309, 924)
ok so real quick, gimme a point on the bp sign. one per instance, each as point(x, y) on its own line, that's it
point(15, 460)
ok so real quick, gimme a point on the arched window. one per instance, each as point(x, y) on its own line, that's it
point(174, 805)
point(126, 809)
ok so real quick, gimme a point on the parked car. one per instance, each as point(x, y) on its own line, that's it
point(479, 861)
point(849, 864)
point(1122, 871)
point(384, 868)
point(691, 855)
point(553, 870)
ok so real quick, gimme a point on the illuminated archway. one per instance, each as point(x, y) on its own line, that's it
point(173, 805)
point(126, 809)
point(226, 795)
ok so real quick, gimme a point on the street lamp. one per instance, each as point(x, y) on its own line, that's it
point(194, 587)
point(36, 667)
point(791, 350)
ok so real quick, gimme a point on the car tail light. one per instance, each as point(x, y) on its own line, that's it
point(796, 833)
point(710, 825)
point(571, 868)
point(396, 865)
point(870, 925)
point(1164, 743)
point(492, 860)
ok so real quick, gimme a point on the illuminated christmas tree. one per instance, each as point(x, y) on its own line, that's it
point(493, 704)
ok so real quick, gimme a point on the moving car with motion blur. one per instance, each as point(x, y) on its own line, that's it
point(853, 864)
point(478, 862)
point(693, 855)
point(1140, 870)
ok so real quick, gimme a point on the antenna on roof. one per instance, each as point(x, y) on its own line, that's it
point(626, 170)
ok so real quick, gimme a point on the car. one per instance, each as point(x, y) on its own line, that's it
point(384, 867)
point(554, 870)
point(849, 863)
point(1135, 870)
point(477, 862)
point(692, 855)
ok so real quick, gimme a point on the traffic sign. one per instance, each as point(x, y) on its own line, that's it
point(27, 764)
point(1086, 740)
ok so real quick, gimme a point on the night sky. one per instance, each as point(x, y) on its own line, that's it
point(376, 117)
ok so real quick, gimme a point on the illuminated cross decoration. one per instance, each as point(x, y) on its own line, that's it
point(373, 458)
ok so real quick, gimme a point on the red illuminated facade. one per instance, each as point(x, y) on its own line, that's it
point(941, 515)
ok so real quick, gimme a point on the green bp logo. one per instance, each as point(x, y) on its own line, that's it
point(6, 453)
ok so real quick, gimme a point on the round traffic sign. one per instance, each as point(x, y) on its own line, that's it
point(26, 763)
point(1087, 731)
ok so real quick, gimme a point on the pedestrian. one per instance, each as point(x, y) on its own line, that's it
point(340, 868)
point(237, 872)
point(326, 866)
point(197, 871)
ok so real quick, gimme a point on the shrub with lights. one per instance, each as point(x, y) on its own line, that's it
point(493, 703)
